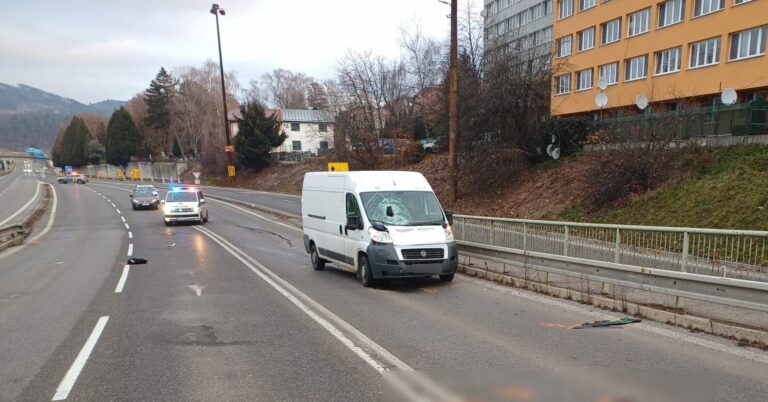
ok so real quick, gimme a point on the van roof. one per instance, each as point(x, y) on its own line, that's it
point(376, 180)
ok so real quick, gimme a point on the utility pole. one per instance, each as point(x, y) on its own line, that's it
point(216, 10)
point(453, 107)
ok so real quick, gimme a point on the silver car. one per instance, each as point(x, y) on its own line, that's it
point(184, 204)
point(144, 197)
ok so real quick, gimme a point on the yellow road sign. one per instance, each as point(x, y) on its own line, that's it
point(338, 167)
point(231, 170)
point(119, 172)
point(135, 175)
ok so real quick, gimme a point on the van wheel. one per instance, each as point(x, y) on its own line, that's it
point(365, 273)
point(318, 264)
point(446, 277)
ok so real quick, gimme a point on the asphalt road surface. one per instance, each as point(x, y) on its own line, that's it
point(233, 311)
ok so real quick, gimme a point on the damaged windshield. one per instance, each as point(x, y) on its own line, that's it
point(403, 208)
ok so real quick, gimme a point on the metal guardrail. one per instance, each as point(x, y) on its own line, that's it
point(705, 264)
point(11, 235)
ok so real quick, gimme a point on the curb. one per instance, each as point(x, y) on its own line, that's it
point(752, 336)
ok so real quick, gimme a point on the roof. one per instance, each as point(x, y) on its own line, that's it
point(306, 116)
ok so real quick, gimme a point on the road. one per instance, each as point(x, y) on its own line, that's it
point(233, 311)
point(16, 193)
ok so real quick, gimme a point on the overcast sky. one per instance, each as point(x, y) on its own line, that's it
point(99, 49)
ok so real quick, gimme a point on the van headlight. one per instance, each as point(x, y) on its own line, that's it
point(448, 234)
point(379, 236)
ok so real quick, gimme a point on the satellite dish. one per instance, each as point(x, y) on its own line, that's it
point(641, 101)
point(601, 100)
point(728, 97)
point(602, 83)
point(556, 153)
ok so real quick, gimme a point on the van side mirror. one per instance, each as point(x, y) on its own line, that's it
point(354, 222)
point(449, 217)
point(202, 201)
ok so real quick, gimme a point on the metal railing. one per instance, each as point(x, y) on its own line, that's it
point(10, 236)
point(735, 254)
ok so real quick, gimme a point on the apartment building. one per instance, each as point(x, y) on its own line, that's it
point(518, 25)
point(663, 50)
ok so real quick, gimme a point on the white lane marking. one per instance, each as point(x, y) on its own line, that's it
point(104, 197)
point(258, 215)
point(130, 235)
point(126, 226)
point(123, 277)
point(197, 289)
point(113, 205)
point(118, 211)
point(34, 197)
point(281, 285)
point(62, 392)
point(123, 218)
point(130, 249)
point(606, 315)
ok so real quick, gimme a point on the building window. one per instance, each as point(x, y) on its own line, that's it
point(566, 8)
point(611, 31)
point(585, 4)
point(737, 2)
point(636, 68)
point(610, 73)
point(587, 39)
point(668, 61)
point(701, 7)
point(324, 145)
point(564, 46)
point(671, 12)
point(296, 145)
point(749, 43)
point(323, 127)
point(295, 127)
point(584, 78)
point(563, 84)
point(547, 34)
point(639, 22)
point(705, 53)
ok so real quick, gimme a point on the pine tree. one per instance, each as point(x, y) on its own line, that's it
point(257, 135)
point(158, 98)
point(122, 138)
point(74, 143)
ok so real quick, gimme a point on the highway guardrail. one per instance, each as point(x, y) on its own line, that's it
point(11, 236)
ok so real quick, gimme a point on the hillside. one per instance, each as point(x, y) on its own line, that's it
point(31, 116)
point(726, 189)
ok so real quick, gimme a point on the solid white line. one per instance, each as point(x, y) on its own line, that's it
point(126, 226)
point(34, 197)
point(281, 285)
point(130, 235)
point(130, 249)
point(123, 277)
point(62, 392)
point(123, 218)
point(118, 211)
point(42, 233)
point(257, 215)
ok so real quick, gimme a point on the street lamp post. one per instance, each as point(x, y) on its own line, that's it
point(216, 10)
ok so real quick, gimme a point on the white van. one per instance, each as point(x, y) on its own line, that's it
point(380, 224)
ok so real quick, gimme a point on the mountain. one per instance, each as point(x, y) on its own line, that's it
point(31, 116)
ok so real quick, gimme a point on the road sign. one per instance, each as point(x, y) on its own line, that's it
point(229, 148)
point(231, 170)
point(67, 168)
point(338, 167)
point(197, 177)
point(135, 174)
point(119, 172)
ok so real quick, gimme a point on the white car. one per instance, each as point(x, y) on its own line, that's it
point(184, 204)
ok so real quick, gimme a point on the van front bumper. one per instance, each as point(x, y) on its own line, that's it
point(385, 263)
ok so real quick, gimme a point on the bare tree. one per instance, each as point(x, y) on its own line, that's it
point(423, 57)
point(282, 88)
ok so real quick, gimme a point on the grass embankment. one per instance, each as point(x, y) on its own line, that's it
point(731, 192)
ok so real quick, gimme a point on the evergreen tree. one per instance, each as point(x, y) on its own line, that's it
point(176, 148)
point(158, 98)
point(122, 138)
point(257, 134)
point(73, 144)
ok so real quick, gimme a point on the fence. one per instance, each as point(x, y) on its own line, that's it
point(153, 171)
point(719, 253)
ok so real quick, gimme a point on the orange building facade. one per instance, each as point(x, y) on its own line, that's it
point(663, 50)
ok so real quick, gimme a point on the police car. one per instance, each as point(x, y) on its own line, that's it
point(184, 204)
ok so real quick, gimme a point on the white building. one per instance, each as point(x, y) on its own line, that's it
point(307, 130)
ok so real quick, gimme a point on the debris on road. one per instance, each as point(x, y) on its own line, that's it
point(136, 261)
point(608, 323)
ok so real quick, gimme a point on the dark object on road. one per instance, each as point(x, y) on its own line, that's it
point(607, 323)
point(136, 261)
